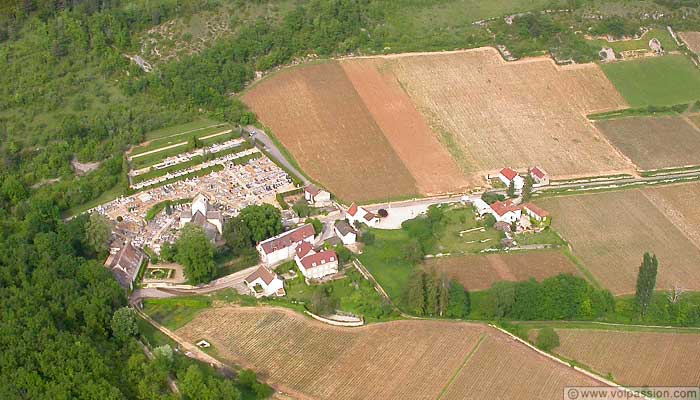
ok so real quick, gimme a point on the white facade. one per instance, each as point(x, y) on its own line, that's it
point(282, 247)
point(358, 214)
point(347, 239)
point(318, 265)
point(518, 180)
point(316, 196)
point(270, 289)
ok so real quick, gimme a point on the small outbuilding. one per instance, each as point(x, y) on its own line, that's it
point(345, 231)
point(265, 283)
point(315, 196)
point(508, 175)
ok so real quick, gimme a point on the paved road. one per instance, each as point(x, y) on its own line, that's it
point(272, 149)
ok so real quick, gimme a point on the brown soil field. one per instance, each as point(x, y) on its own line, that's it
point(695, 119)
point(679, 204)
point(425, 157)
point(479, 272)
point(692, 39)
point(610, 232)
point(635, 358)
point(520, 114)
point(654, 142)
point(396, 360)
point(318, 116)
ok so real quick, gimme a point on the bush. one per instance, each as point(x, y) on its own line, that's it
point(547, 339)
point(492, 197)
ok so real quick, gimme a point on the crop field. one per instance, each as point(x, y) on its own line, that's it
point(492, 110)
point(405, 128)
point(635, 358)
point(611, 231)
point(692, 39)
point(659, 81)
point(395, 360)
point(679, 204)
point(654, 142)
point(319, 117)
point(479, 272)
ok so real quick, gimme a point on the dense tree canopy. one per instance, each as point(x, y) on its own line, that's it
point(196, 253)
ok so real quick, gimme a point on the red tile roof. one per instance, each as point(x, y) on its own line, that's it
point(536, 210)
point(303, 249)
point(263, 273)
point(311, 189)
point(318, 259)
point(536, 171)
point(352, 210)
point(502, 207)
point(509, 173)
point(287, 239)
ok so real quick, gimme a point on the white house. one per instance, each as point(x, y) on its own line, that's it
point(281, 247)
point(481, 207)
point(505, 211)
point(345, 232)
point(359, 214)
point(200, 214)
point(303, 249)
point(508, 175)
point(535, 212)
point(318, 265)
point(316, 196)
point(539, 176)
point(263, 283)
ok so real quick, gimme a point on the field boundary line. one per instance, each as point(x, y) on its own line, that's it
point(468, 358)
point(576, 368)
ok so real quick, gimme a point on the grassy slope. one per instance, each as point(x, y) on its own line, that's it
point(657, 81)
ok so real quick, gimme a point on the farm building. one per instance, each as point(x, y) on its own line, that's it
point(508, 175)
point(202, 215)
point(282, 247)
point(540, 176)
point(536, 212)
point(345, 232)
point(505, 211)
point(316, 196)
point(357, 214)
point(125, 265)
point(264, 283)
point(481, 207)
point(317, 265)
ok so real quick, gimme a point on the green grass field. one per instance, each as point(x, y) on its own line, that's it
point(659, 81)
point(178, 138)
point(175, 312)
point(178, 129)
point(384, 260)
point(664, 37)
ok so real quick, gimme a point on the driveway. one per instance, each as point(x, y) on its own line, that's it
point(271, 148)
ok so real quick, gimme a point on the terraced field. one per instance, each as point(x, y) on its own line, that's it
point(667, 359)
point(479, 272)
point(611, 231)
point(395, 360)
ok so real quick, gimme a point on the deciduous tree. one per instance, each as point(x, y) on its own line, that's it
point(646, 282)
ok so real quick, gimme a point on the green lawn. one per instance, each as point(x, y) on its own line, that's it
point(664, 37)
point(175, 312)
point(178, 129)
point(462, 219)
point(547, 236)
point(385, 261)
point(659, 81)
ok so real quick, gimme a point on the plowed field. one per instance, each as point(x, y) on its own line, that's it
point(653, 143)
point(692, 39)
point(395, 360)
point(319, 117)
point(479, 272)
point(635, 358)
point(611, 231)
point(520, 114)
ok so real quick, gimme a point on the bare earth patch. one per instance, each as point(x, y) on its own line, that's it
point(479, 272)
point(395, 360)
point(635, 358)
point(523, 113)
point(418, 147)
point(610, 232)
point(654, 142)
point(692, 39)
point(319, 117)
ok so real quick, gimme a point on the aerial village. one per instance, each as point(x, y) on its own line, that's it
point(142, 226)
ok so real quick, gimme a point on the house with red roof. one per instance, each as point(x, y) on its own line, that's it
point(356, 214)
point(317, 265)
point(315, 196)
point(508, 175)
point(536, 213)
point(539, 176)
point(283, 246)
point(264, 283)
point(505, 211)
